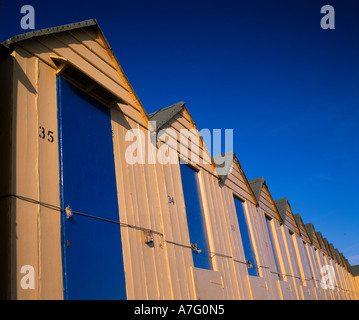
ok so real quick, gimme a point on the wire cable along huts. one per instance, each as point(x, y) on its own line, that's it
point(100, 200)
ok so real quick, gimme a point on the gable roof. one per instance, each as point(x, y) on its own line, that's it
point(224, 163)
point(338, 256)
point(344, 261)
point(349, 267)
point(9, 43)
point(163, 115)
point(321, 242)
point(301, 226)
point(326, 243)
point(226, 172)
point(334, 255)
point(8, 46)
point(286, 214)
point(312, 235)
point(355, 270)
point(281, 205)
point(257, 185)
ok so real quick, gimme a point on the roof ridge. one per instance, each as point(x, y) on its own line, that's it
point(163, 115)
point(166, 108)
point(24, 36)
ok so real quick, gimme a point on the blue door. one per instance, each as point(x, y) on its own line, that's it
point(195, 217)
point(91, 243)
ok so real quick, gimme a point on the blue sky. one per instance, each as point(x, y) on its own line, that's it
point(289, 89)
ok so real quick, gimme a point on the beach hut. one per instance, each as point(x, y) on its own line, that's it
point(290, 233)
point(100, 200)
point(303, 245)
point(274, 244)
point(58, 83)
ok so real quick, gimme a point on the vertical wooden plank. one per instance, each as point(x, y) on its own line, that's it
point(144, 221)
point(125, 205)
point(137, 235)
point(316, 278)
point(133, 259)
point(50, 226)
point(179, 227)
point(26, 180)
point(304, 266)
point(155, 220)
point(169, 250)
point(6, 167)
point(177, 236)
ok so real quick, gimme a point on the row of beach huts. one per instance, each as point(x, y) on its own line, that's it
point(83, 218)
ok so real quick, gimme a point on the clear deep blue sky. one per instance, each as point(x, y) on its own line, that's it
point(266, 69)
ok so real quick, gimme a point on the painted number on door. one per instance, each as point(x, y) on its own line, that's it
point(171, 200)
point(46, 134)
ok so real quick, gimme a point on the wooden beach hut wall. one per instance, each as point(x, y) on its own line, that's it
point(290, 231)
point(355, 272)
point(227, 258)
point(65, 85)
point(351, 279)
point(275, 249)
point(348, 287)
point(341, 270)
point(208, 247)
point(331, 262)
point(94, 201)
point(355, 284)
point(303, 242)
point(346, 284)
point(325, 256)
point(192, 282)
point(340, 266)
point(318, 240)
point(335, 263)
point(235, 184)
point(316, 253)
point(354, 281)
point(338, 273)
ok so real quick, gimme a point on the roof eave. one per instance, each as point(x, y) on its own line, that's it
point(28, 35)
